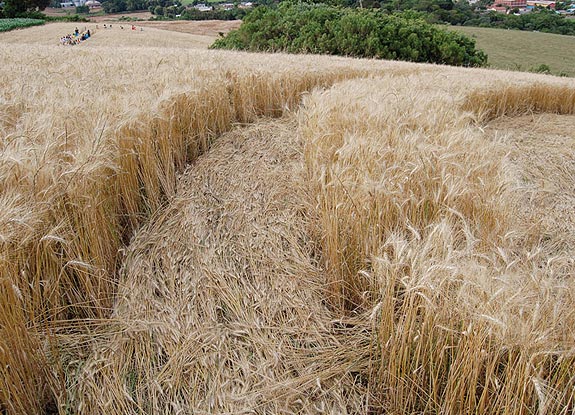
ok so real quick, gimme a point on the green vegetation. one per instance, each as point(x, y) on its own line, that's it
point(193, 2)
point(542, 21)
point(515, 50)
point(454, 12)
point(324, 29)
point(169, 9)
point(218, 14)
point(26, 12)
point(464, 14)
point(19, 8)
point(18, 23)
point(82, 10)
point(170, 12)
point(118, 6)
point(66, 18)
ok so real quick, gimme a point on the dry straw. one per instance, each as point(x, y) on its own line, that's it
point(371, 255)
point(420, 220)
point(85, 163)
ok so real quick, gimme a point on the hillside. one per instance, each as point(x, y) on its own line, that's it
point(524, 51)
point(193, 231)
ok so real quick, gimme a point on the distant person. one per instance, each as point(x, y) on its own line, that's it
point(76, 32)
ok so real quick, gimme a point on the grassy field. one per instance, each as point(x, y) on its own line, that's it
point(193, 231)
point(522, 51)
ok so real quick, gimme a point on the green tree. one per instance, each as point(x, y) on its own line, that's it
point(114, 6)
point(133, 5)
point(320, 28)
point(15, 8)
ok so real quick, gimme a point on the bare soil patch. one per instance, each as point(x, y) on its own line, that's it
point(53, 11)
point(203, 28)
point(144, 15)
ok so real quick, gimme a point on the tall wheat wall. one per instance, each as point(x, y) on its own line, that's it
point(422, 236)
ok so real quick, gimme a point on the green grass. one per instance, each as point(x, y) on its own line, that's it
point(18, 23)
point(524, 51)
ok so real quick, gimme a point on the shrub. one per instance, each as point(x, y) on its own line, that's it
point(218, 14)
point(543, 68)
point(324, 29)
point(82, 10)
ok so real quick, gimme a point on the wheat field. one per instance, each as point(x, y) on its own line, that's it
point(185, 231)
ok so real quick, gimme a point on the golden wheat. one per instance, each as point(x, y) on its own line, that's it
point(420, 218)
point(374, 252)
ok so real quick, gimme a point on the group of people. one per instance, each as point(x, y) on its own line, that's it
point(121, 27)
point(76, 37)
point(79, 36)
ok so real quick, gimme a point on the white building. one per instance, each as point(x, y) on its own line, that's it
point(202, 7)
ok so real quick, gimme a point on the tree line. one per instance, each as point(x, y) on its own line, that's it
point(186, 13)
point(20, 8)
point(432, 11)
point(462, 13)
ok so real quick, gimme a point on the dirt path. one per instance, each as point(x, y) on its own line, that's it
point(221, 306)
